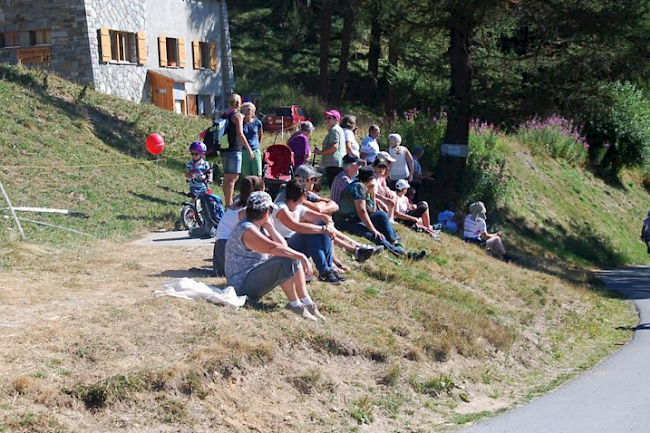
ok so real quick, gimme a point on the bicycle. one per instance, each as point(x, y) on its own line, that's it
point(192, 213)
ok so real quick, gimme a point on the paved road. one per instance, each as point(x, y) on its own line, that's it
point(612, 398)
point(172, 239)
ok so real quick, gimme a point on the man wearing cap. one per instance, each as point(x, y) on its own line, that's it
point(258, 259)
point(314, 201)
point(358, 214)
point(343, 179)
point(333, 146)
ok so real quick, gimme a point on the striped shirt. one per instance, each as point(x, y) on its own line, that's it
point(341, 181)
point(335, 135)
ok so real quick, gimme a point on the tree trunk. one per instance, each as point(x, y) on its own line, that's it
point(393, 60)
point(451, 166)
point(325, 37)
point(348, 25)
point(374, 53)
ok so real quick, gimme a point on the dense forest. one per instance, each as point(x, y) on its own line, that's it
point(499, 61)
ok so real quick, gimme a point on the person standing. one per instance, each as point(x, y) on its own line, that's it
point(369, 146)
point(349, 125)
point(254, 134)
point(299, 144)
point(402, 167)
point(232, 156)
point(333, 146)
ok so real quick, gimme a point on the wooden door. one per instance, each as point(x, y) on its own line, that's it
point(162, 93)
point(192, 105)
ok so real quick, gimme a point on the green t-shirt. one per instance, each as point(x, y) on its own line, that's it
point(347, 209)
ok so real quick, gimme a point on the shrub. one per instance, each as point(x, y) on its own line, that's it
point(556, 137)
point(619, 127)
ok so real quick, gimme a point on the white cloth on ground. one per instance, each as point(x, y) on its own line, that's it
point(186, 288)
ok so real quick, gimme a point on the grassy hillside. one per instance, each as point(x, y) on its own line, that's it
point(408, 346)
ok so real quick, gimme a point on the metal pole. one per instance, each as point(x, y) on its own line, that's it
point(13, 213)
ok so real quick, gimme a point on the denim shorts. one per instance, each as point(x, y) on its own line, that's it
point(231, 162)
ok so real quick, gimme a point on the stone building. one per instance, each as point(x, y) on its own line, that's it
point(172, 53)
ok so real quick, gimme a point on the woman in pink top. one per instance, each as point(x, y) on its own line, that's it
point(299, 143)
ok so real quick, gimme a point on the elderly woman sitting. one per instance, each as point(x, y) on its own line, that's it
point(258, 259)
point(475, 231)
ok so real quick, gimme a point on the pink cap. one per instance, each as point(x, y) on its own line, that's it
point(333, 113)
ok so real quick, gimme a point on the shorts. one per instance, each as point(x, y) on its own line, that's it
point(254, 167)
point(231, 162)
point(266, 276)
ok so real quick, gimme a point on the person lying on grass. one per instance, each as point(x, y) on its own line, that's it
point(359, 215)
point(475, 231)
point(312, 233)
point(258, 259)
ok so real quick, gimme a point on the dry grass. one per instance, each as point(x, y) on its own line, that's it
point(87, 347)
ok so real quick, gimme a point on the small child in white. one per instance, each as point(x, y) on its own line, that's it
point(645, 232)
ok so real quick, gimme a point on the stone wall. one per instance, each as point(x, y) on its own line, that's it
point(67, 21)
point(126, 81)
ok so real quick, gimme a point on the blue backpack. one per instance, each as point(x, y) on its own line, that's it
point(212, 213)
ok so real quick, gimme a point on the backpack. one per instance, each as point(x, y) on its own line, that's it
point(212, 213)
point(216, 136)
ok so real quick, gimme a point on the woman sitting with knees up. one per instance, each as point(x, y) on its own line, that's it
point(305, 230)
point(258, 259)
point(234, 213)
point(475, 231)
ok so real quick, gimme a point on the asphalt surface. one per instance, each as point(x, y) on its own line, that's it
point(172, 239)
point(614, 397)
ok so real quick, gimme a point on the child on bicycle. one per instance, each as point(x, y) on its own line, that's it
point(197, 171)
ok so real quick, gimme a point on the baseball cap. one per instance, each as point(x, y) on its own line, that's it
point(306, 172)
point(351, 159)
point(333, 113)
point(260, 200)
point(386, 155)
point(380, 160)
point(402, 184)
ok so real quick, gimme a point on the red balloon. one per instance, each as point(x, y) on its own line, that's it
point(155, 144)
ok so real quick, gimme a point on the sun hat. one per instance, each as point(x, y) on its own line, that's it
point(477, 210)
point(260, 200)
point(351, 159)
point(402, 184)
point(396, 138)
point(333, 113)
point(380, 160)
point(386, 155)
point(306, 172)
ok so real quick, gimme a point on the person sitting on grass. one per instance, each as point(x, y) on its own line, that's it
point(234, 213)
point(258, 259)
point(358, 214)
point(475, 231)
point(351, 165)
point(314, 201)
point(386, 197)
point(306, 231)
point(449, 220)
point(408, 213)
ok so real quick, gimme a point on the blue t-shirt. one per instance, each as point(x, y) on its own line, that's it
point(251, 131)
point(196, 169)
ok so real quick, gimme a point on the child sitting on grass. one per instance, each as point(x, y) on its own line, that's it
point(413, 215)
point(197, 170)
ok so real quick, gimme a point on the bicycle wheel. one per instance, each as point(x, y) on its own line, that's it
point(189, 217)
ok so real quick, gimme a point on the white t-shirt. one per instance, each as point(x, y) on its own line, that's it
point(228, 222)
point(403, 204)
point(370, 147)
point(297, 214)
point(474, 229)
point(349, 136)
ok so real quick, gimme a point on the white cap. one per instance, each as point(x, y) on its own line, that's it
point(387, 156)
point(402, 184)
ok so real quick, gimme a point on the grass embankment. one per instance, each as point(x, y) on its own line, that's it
point(408, 346)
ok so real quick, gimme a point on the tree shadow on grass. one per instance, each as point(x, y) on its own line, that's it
point(157, 200)
point(580, 244)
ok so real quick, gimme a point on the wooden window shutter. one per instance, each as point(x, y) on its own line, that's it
point(196, 52)
point(105, 43)
point(142, 48)
point(182, 58)
point(214, 60)
point(162, 49)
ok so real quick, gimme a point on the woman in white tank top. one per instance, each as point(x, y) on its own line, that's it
point(402, 168)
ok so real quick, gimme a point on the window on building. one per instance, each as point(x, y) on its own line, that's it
point(39, 37)
point(122, 46)
point(205, 54)
point(172, 52)
point(9, 39)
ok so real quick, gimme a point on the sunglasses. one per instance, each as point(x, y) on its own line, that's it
point(195, 154)
point(332, 118)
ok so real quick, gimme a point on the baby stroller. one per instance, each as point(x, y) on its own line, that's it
point(278, 167)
